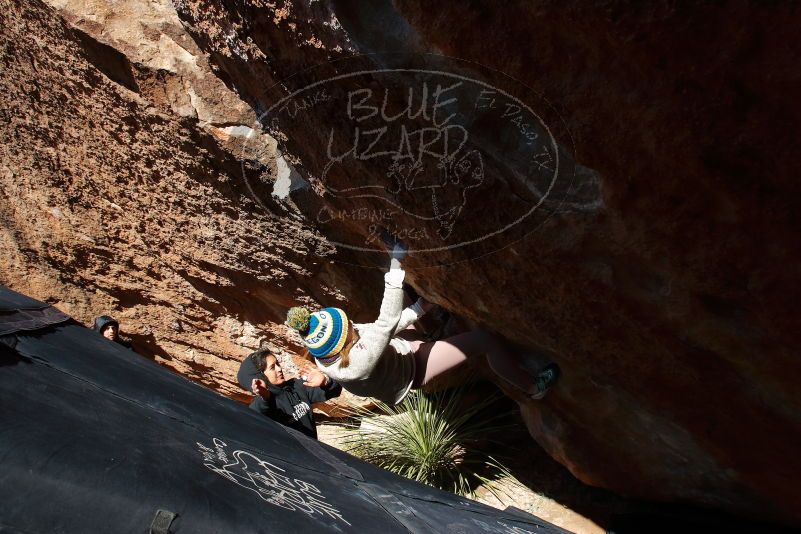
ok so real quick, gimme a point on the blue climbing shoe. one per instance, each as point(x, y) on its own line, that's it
point(545, 379)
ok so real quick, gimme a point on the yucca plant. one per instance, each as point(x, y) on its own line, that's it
point(437, 439)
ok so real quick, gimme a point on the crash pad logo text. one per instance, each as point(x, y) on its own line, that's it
point(267, 480)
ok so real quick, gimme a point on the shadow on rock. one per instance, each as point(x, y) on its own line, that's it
point(145, 344)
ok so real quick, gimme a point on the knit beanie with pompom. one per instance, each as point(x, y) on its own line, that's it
point(324, 332)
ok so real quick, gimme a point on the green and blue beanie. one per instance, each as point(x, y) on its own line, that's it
point(324, 332)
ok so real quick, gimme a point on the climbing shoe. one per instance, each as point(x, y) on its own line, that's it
point(545, 379)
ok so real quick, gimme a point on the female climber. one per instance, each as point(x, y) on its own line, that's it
point(372, 360)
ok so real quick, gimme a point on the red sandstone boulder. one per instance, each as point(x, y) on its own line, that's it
point(662, 281)
point(659, 270)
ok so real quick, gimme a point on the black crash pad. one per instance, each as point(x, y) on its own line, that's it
point(94, 438)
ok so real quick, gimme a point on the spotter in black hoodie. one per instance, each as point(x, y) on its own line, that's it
point(290, 403)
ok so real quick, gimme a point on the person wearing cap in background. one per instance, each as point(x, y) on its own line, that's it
point(109, 328)
point(288, 402)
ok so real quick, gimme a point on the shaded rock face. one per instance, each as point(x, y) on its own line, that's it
point(138, 179)
point(120, 194)
point(666, 289)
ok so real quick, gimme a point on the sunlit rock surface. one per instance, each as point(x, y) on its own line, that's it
point(659, 271)
point(664, 282)
point(116, 202)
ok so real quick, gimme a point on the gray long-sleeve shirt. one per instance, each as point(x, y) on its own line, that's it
point(380, 365)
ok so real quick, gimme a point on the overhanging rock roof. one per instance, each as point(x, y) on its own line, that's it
point(94, 438)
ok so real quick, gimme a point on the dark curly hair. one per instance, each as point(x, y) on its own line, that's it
point(259, 359)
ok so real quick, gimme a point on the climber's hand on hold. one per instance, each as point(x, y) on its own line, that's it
point(397, 253)
point(395, 248)
point(425, 305)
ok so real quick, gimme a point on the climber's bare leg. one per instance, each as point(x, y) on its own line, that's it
point(434, 358)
